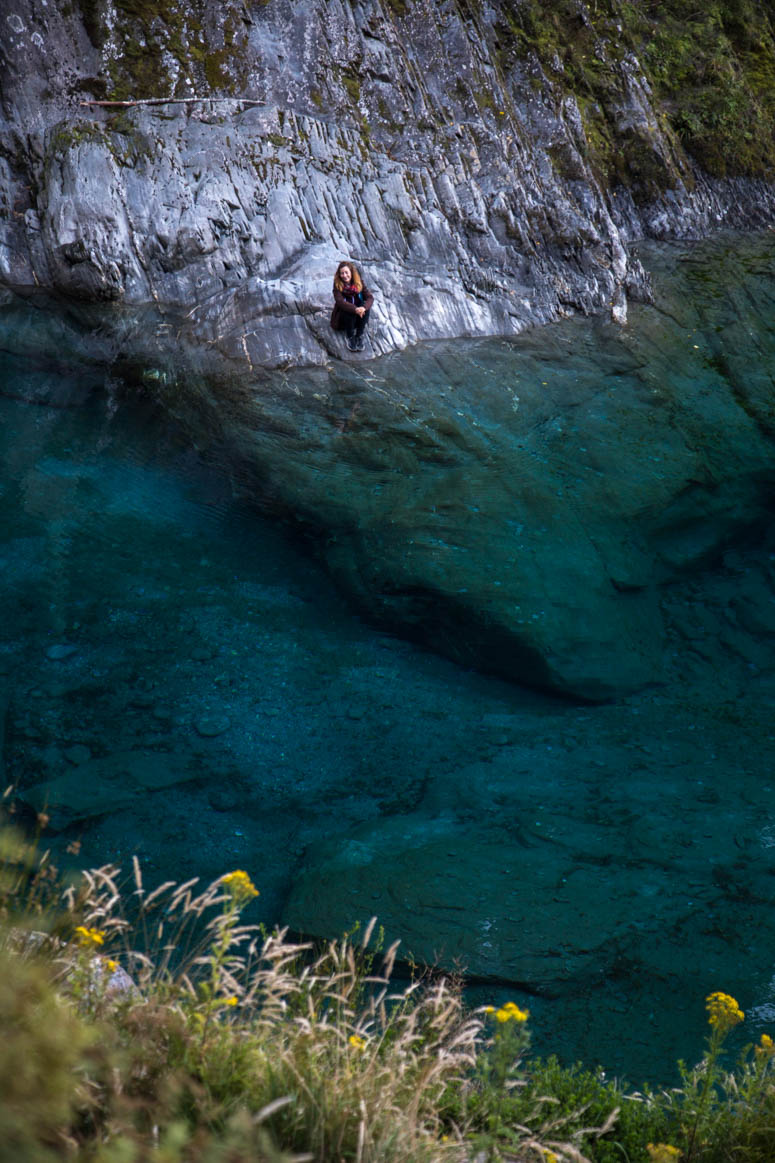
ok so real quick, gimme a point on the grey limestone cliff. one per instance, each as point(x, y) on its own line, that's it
point(407, 136)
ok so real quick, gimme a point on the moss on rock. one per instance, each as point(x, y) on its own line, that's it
point(711, 70)
point(172, 48)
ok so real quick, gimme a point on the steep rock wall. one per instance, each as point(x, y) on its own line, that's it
point(433, 143)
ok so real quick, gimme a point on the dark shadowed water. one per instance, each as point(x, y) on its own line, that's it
point(201, 695)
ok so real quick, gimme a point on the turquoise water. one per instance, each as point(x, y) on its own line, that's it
point(185, 622)
point(201, 695)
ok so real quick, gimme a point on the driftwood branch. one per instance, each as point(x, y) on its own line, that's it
point(172, 101)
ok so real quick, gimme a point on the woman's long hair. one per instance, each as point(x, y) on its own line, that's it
point(339, 285)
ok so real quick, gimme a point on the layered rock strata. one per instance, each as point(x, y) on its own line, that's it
point(411, 137)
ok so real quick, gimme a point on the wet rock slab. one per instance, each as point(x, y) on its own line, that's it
point(97, 786)
point(564, 869)
point(478, 899)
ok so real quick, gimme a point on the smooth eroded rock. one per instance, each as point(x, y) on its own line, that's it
point(482, 900)
point(102, 785)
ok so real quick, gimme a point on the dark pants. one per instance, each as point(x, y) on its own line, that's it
point(354, 325)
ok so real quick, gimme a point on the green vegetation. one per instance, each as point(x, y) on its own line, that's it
point(352, 84)
point(93, 22)
point(119, 135)
point(711, 68)
point(67, 135)
point(140, 1025)
point(715, 70)
point(149, 34)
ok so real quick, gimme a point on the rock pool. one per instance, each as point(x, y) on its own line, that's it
point(181, 679)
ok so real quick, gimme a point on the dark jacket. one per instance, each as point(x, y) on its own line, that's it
point(347, 304)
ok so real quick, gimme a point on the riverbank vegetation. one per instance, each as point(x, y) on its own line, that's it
point(711, 71)
point(157, 1025)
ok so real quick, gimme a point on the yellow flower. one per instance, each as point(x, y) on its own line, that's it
point(239, 886)
point(232, 1001)
point(766, 1048)
point(662, 1153)
point(723, 1012)
point(357, 1042)
point(489, 1009)
point(550, 1157)
point(511, 1013)
point(112, 966)
point(88, 938)
point(518, 1014)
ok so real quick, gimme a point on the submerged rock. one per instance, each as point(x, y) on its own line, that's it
point(60, 651)
point(210, 726)
point(99, 786)
point(552, 867)
point(498, 902)
point(77, 754)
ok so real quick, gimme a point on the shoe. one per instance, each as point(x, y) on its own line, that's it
point(360, 343)
point(352, 343)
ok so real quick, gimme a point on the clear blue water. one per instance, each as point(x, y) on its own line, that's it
point(189, 623)
point(147, 613)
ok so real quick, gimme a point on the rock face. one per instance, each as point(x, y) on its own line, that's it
point(413, 138)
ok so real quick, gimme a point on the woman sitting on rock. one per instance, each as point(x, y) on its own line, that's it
point(352, 303)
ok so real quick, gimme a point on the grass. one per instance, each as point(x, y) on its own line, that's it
point(157, 1025)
